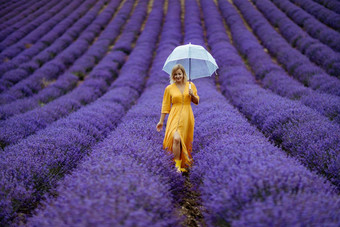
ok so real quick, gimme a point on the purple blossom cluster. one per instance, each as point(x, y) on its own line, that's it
point(310, 24)
point(323, 14)
point(55, 66)
point(54, 151)
point(316, 51)
point(96, 83)
point(271, 75)
point(295, 63)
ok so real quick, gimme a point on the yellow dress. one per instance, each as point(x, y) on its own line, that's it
point(181, 119)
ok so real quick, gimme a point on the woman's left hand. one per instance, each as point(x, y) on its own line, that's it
point(190, 92)
point(193, 97)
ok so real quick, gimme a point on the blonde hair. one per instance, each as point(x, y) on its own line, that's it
point(174, 69)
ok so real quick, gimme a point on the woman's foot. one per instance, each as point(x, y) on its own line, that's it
point(178, 166)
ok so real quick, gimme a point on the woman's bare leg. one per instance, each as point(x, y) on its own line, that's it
point(176, 146)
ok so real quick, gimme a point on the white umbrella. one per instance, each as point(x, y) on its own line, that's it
point(196, 61)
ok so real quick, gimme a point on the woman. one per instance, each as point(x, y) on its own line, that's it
point(179, 131)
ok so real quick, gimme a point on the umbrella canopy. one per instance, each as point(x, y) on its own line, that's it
point(196, 61)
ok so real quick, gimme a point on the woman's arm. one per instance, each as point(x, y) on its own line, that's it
point(166, 106)
point(160, 123)
point(194, 99)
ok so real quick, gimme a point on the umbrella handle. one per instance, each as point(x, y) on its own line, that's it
point(189, 85)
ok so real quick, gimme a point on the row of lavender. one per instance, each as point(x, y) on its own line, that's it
point(47, 66)
point(96, 83)
point(244, 180)
point(138, 186)
point(54, 151)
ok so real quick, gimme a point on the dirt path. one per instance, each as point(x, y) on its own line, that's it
point(190, 206)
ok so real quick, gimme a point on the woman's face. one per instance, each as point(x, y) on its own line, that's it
point(178, 76)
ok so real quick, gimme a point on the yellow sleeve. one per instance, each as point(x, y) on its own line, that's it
point(194, 90)
point(166, 105)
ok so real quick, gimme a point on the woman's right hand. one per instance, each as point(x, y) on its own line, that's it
point(159, 126)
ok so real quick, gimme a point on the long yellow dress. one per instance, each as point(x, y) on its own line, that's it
point(181, 119)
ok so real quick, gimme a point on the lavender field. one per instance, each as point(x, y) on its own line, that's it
point(81, 88)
